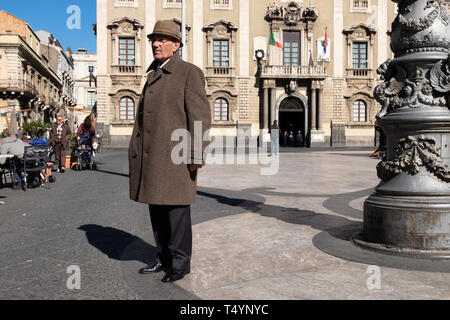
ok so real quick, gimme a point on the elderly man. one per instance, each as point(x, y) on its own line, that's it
point(173, 98)
point(59, 138)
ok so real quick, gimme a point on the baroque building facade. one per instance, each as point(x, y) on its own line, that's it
point(319, 79)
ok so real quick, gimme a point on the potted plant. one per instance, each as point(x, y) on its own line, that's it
point(73, 147)
point(36, 129)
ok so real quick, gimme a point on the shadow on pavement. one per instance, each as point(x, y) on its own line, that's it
point(115, 173)
point(336, 231)
point(118, 244)
point(310, 218)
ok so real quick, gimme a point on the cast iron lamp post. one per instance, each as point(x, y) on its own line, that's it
point(410, 209)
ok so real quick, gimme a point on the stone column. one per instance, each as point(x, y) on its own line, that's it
point(266, 109)
point(313, 108)
point(273, 102)
point(320, 110)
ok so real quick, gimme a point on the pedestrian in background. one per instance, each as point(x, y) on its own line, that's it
point(299, 139)
point(173, 98)
point(86, 132)
point(59, 138)
point(274, 138)
point(291, 139)
point(285, 139)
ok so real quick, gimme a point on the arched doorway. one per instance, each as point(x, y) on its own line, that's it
point(291, 117)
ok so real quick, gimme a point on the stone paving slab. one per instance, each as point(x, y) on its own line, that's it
point(254, 236)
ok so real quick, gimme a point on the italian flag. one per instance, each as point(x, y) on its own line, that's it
point(274, 41)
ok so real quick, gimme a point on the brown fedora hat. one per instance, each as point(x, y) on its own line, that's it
point(167, 28)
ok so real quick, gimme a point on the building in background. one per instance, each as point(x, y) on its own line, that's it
point(315, 70)
point(85, 82)
point(62, 63)
point(29, 87)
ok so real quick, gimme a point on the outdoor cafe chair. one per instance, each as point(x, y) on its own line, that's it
point(35, 160)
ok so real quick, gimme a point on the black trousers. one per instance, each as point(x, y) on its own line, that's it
point(172, 229)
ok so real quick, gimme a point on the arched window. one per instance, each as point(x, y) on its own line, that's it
point(221, 109)
point(126, 108)
point(359, 111)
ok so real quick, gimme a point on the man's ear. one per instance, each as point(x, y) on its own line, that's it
point(177, 46)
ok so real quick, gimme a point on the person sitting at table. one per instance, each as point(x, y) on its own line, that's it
point(14, 146)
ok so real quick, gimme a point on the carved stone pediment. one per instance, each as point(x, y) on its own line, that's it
point(220, 26)
point(360, 31)
point(125, 25)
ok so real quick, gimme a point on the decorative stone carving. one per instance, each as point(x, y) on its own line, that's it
point(411, 154)
point(274, 11)
point(292, 14)
point(310, 13)
point(291, 87)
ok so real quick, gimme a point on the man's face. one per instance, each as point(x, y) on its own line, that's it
point(164, 48)
point(59, 120)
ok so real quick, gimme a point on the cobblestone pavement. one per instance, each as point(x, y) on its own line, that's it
point(254, 236)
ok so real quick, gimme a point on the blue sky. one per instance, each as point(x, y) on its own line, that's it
point(52, 16)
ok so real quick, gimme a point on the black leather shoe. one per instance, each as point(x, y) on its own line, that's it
point(174, 275)
point(152, 268)
point(171, 277)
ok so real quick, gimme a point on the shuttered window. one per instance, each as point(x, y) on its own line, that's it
point(126, 51)
point(291, 45)
point(359, 111)
point(221, 109)
point(126, 108)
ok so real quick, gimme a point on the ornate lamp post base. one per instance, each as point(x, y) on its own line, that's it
point(409, 214)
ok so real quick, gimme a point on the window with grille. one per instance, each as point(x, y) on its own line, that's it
point(221, 4)
point(361, 3)
point(220, 109)
point(359, 55)
point(291, 46)
point(172, 4)
point(91, 97)
point(221, 53)
point(126, 108)
point(359, 111)
point(125, 3)
point(126, 51)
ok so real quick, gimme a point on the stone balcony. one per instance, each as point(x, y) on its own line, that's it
point(293, 72)
point(359, 73)
point(220, 72)
point(12, 88)
point(126, 70)
point(130, 74)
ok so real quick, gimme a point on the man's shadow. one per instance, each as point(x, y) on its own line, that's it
point(118, 244)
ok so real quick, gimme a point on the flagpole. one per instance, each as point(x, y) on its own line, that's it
point(183, 29)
